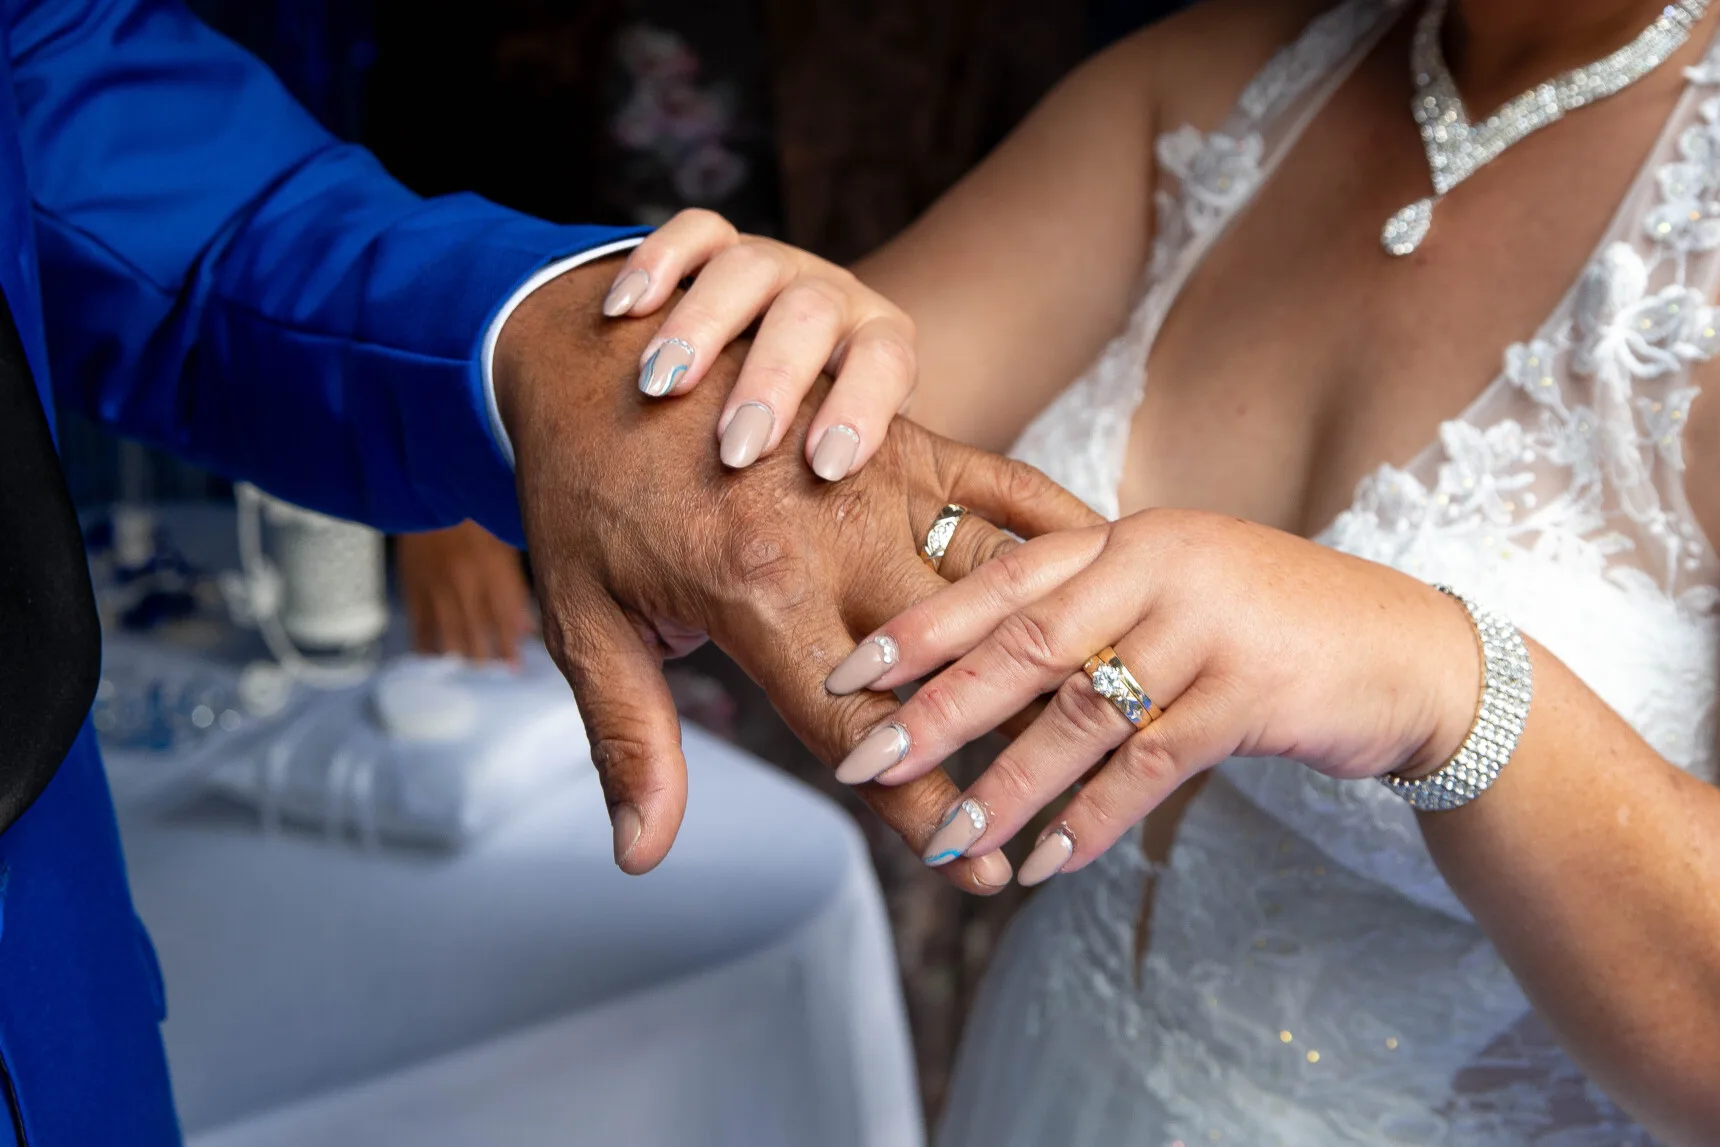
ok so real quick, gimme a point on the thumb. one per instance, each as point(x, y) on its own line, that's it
point(630, 719)
point(1013, 495)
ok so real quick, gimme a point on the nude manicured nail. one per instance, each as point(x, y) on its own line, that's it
point(883, 748)
point(628, 828)
point(626, 291)
point(964, 825)
point(835, 454)
point(665, 367)
point(991, 870)
point(747, 433)
point(869, 661)
point(1047, 858)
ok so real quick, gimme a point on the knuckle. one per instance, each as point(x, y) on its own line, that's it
point(752, 261)
point(771, 376)
point(1028, 641)
point(1090, 715)
point(1022, 483)
point(1011, 781)
point(852, 719)
point(1145, 762)
point(693, 320)
point(941, 707)
point(706, 222)
point(889, 355)
point(1011, 574)
point(810, 302)
point(768, 567)
point(618, 752)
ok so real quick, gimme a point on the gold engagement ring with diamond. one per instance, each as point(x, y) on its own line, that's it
point(1113, 681)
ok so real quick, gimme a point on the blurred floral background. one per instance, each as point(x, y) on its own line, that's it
point(829, 123)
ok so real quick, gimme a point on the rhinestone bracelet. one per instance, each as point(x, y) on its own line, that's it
point(1507, 684)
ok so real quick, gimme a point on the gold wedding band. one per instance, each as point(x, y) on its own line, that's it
point(938, 537)
point(1113, 681)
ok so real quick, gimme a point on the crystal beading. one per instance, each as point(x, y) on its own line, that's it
point(1456, 148)
point(1507, 684)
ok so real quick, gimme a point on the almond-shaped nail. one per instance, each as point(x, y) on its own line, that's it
point(665, 367)
point(626, 291)
point(870, 660)
point(883, 748)
point(835, 454)
point(1048, 857)
point(991, 870)
point(962, 826)
point(628, 828)
point(748, 431)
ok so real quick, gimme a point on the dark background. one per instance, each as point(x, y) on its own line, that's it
point(829, 123)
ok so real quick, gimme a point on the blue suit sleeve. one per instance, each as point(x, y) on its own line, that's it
point(223, 278)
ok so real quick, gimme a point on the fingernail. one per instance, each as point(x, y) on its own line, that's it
point(665, 367)
point(869, 661)
point(746, 435)
point(991, 870)
point(628, 828)
point(883, 748)
point(625, 293)
point(1048, 857)
point(835, 454)
point(964, 825)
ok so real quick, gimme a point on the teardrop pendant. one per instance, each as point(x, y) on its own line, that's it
point(1404, 231)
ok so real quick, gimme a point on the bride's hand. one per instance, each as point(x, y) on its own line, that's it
point(1253, 641)
point(817, 317)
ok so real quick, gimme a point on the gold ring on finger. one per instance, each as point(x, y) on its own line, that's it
point(1113, 681)
point(938, 537)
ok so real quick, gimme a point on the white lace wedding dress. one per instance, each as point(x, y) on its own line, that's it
point(1310, 979)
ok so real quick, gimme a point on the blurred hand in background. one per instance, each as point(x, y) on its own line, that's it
point(465, 593)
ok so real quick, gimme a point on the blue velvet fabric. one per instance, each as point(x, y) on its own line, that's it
point(191, 259)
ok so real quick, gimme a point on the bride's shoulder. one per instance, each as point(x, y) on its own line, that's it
point(1199, 60)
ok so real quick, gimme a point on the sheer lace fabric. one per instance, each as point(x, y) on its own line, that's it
point(1312, 981)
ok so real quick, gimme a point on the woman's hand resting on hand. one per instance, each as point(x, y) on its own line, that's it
point(816, 318)
point(1252, 641)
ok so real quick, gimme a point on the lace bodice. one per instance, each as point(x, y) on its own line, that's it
point(1295, 908)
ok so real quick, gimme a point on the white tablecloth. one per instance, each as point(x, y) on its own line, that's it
point(524, 991)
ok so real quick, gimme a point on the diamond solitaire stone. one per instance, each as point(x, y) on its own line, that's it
point(1109, 682)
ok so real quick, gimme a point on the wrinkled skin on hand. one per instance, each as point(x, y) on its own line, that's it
point(642, 541)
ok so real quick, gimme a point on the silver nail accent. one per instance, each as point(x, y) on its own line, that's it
point(1049, 856)
point(662, 371)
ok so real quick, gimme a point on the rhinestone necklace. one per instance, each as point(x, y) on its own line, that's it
point(1456, 148)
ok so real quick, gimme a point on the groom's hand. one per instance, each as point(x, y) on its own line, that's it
point(641, 541)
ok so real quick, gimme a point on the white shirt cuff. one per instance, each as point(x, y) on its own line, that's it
point(554, 271)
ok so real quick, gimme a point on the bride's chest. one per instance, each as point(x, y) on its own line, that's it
point(1296, 356)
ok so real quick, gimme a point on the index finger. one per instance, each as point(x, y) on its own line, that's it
point(1012, 494)
point(1031, 652)
point(958, 617)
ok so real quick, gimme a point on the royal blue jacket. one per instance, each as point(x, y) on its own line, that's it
point(188, 257)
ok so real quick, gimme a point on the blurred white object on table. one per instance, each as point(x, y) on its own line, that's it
point(522, 990)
